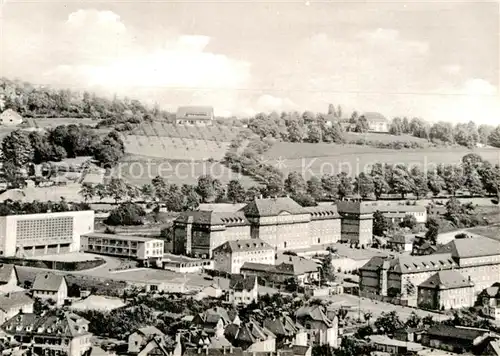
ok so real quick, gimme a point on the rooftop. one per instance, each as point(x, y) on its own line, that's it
point(375, 117)
point(462, 333)
point(273, 207)
point(244, 245)
point(241, 283)
point(14, 300)
point(195, 112)
point(6, 272)
point(411, 264)
point(323, 212)
point(475, 246)
point(120, 237)
point(449, 279)
point(48, 282)
point(209, 217)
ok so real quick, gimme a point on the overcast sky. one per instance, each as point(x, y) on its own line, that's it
point(436, 60)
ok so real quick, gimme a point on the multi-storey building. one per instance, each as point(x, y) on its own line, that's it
point(243, 290)
point(53, 333)
point(41, 234)
point(397, 212)
point(50, 286)
point(325, 225)
point(476, 258)
point(199, 232)
point(356, 221)
point(231, 255)
point(140, 248)
point(14, 303)
point(446, 290)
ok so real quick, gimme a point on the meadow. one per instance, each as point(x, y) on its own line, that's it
point(312, 159)
point(383, 137)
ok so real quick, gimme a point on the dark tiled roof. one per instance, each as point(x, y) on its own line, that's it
point(149, 331)
point(315, 313)
point(476, 246)
point(411, 264)
point(195, 112)
point(449, 279)
point(240, 283)
point(193, 351)
point(48, 282)
point(300, 350)
point(300, 265)
point(59, 323)
point(403, 239)
point(448, 331)
point(323, 212)
point(14, 300)
point(6, 272)
point(262, 267)
point(245, 245)
point(273, 207)
point(356, 207)
point(208, 217)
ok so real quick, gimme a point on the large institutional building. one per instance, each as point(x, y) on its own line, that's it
point(280, 222)
point(476, 261)
point(42, 234)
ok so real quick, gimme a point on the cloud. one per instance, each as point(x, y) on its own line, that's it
point(452, 69)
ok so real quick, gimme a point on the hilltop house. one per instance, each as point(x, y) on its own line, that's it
point(195, 115)
point(49, 286)
point(376, 122)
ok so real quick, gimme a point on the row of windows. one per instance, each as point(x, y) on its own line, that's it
point(50, 228)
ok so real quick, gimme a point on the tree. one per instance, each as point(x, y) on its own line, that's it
point(410, 288)
point(330, 186)
point(402, 181)
point(420, 185)
point(87, 192)
point(380, 186)
point(494, 137)
point(160, 187)
point(327, 271)
point(473, 182)
point(126, 214)
point(380, 224)
point(117, 189)
point(388, 323)
point(235, 192)
point(295, 131)
point(409, 221)
point(101, 191)
point(315, 188)
point(17, 148)
point(396, 126)
point(314, 133)
point(174, 199)
point(294, 183)
point(253, 193)
point(274, 186)
point(453, 178)
point(414, 320)
point(435, 183)
point(206, 188)
point(364, 185)
point(432, 232)
point(148, 192)
point(345, 186)
point(191, 198)
point(362, 125)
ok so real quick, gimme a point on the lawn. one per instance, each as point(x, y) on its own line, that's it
point(142, 171)
point(318, 159)
point(383, 137)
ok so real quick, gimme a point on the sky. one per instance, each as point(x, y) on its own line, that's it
point(428, 59)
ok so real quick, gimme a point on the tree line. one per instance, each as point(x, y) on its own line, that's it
point(21, 148)
point(15, 207)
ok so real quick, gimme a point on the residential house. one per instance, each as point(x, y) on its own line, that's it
point(231, 255)
point(243, 290)
point(490, 300)
point(408, 334)
point(8, 279)
point(321, 330)
point(10, 118)
point(455, 339)
point(301, 350)
point(55, 332)
point(213, 321)
point(401, 242)
point(376, 122)
point(160, 346)
point(195, 115)
point(422, 249)
point(446, 290)
point(287, 331)
point(393, 346)
point(142, 336)
point(14, 303)
point(212, 291)
point(251, 337)
point(50, 286)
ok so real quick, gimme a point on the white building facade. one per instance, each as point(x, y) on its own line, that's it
point(44, 234)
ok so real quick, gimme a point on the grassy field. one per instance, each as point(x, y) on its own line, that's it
point(318, 159)
point(142, 171)
point(383, 137)
point(210, 133)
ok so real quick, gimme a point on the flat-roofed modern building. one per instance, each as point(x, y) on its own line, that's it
point(43, 234)
point(136, 247)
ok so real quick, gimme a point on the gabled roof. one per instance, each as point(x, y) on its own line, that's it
point(213, 315)
point(315, 313)
point(195, 112)
point(208, 217)
point(48, 282)
point(245, 245)
point(283, 326)
point(411, 264)
point(6, 272)
point(150, 331)
point(449, 279)
point(251, 332)
point(475, 246)
point(272, 207)
point(323, 212)
point(56, 322)
point(300, 350)
point(241, 283)
point(13, 301)
point(299, 265)
point(403, 239)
